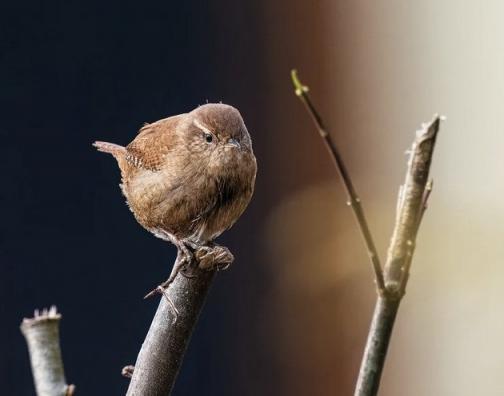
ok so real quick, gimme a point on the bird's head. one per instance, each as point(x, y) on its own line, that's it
point(218, 135)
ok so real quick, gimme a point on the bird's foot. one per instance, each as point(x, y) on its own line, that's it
point(162, 290)
point(180, 263)
point(184, 258)
point(213, 257)
point(208, 257)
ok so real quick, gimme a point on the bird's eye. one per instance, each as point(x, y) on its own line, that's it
point(208, 138)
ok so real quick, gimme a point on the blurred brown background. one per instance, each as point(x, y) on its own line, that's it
point(291, 316)
point(376, 70)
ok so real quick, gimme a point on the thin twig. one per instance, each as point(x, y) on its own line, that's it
point(353, 199)
point(162, 352)
point(42, 336)
point(413, 201)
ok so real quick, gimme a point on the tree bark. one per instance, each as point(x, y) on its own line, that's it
point(42, 336)
point(162, 352)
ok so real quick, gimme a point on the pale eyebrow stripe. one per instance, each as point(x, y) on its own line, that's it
point(202, 127)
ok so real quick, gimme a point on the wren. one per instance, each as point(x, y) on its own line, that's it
point(187, 179)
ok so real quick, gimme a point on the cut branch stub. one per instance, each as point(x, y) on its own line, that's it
point(42, 336)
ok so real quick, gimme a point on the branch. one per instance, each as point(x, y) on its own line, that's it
point(391, 282)
point(411, 207)
point(42, 336)
point(353, 199)
point(162, 352)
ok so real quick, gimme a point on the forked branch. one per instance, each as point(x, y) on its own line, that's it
point(411, 208)
point(391, 281)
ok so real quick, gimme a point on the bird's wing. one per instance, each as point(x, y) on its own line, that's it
point(152, 143)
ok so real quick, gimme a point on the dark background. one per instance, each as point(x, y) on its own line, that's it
point(72, 72)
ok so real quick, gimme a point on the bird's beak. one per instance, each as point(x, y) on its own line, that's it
point(233, 143)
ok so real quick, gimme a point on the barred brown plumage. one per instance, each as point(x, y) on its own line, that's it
point(183, 186)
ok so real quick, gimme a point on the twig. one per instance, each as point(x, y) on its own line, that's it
point(353, 199)
point(391, 282)
point(415, 193)
point(161, 355)
point(42, 336)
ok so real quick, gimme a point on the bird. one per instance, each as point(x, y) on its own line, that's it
point(187, 179)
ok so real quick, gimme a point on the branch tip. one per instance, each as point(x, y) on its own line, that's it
point(430, 129)
point(298, 86)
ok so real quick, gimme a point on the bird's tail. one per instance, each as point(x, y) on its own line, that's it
point(110, 148)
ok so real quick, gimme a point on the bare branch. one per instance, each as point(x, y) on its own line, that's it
point(353, 199)
point(411, 207)
point(162, 352)
point(42, 336)
point(416, 191)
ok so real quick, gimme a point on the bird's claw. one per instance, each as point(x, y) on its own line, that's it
point(158, 290)
point(214, 257)
point(162, 290)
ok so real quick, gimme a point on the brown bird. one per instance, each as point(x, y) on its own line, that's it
point(188, 178)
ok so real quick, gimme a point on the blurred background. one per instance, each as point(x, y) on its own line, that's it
point(291, 316)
